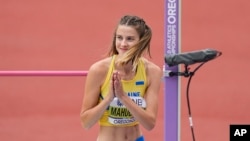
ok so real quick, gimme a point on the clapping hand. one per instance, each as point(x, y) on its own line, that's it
point(117, 85)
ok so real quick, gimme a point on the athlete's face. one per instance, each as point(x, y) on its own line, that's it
point(126, 37)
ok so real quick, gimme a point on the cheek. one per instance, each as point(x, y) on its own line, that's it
point(133, 43)
point(117, 43)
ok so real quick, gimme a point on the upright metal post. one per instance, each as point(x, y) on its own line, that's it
point(172, 84)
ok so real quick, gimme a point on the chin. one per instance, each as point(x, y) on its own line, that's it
point(122, 52)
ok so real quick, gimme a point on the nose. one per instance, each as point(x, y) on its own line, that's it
point(124, 42)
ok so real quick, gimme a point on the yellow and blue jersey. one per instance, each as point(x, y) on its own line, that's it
point(117, 114)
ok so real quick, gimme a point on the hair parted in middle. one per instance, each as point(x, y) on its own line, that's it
point(135, 52)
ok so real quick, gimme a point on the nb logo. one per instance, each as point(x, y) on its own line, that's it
point(119, 103)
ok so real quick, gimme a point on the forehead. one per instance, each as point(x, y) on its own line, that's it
point(126, 30)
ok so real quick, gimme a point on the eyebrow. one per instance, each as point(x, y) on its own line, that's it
point(125, 36)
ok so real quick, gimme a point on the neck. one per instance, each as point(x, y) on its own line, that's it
point(126, 69)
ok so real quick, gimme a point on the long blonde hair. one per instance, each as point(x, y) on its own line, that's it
point(135, 52)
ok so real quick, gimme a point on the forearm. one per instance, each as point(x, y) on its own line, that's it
point(146, 119)
point(91, 116)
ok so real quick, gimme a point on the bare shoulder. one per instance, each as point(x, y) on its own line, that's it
point(152, 69)
point(99, 69)
point(154, 76)
point(100, 66)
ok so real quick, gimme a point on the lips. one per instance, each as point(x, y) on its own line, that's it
point(123, 49)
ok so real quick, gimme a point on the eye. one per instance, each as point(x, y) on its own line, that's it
point(130, 38)
point(119, 37)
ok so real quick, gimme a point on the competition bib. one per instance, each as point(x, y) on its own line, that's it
point(119, 114)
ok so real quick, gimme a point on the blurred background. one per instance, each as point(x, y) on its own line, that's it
point(72, 35)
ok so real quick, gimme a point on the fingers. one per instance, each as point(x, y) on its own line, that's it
point(117, 86)
point(116, 79)
point(114, 82)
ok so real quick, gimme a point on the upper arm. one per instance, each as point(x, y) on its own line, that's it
point(154, 75)
point(92, 87)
